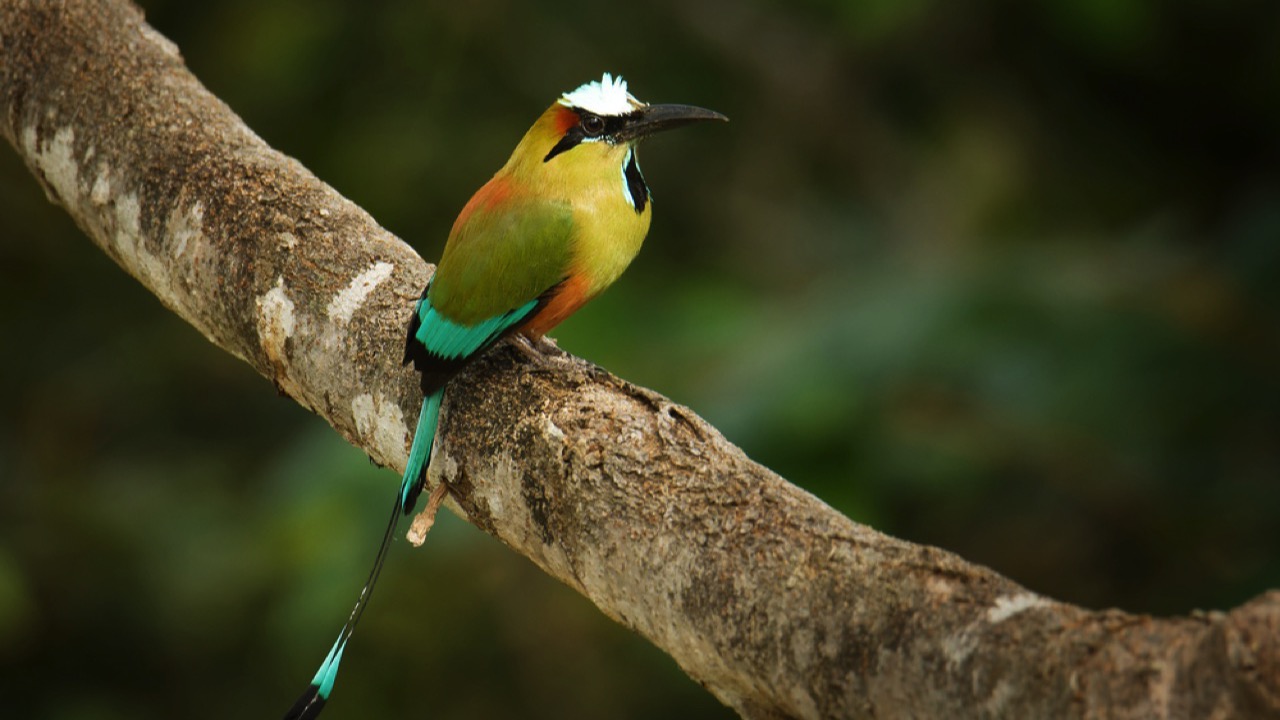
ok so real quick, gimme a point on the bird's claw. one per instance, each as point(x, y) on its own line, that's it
point(529, 348)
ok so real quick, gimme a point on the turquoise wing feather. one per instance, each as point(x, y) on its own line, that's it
point(449, 340)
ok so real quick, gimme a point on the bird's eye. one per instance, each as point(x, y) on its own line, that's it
point(592, 125)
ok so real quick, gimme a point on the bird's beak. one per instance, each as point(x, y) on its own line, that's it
point(649, 119)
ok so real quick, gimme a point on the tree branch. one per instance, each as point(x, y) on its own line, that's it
point(776, 603)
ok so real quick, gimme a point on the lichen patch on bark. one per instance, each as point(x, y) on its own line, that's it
point(344, 305)
point(1006, 606)
point(277, 322)
point(55, 161)
point(380, 423)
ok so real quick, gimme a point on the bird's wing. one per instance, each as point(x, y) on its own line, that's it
point(499, 268)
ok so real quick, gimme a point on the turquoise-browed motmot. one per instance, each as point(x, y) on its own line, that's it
point(550, 231)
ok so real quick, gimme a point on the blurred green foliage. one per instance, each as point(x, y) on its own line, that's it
point(998, 276)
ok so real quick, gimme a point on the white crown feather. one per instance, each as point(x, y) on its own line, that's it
point(608, 96)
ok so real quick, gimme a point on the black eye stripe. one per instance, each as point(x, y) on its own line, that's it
point(570, 139)
point(614, 124)
point(576, 134)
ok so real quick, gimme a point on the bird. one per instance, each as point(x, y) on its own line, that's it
point(554, 227)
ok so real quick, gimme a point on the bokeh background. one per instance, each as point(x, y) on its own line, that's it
point(999, 276)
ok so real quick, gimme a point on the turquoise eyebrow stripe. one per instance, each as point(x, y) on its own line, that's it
point(452, 341)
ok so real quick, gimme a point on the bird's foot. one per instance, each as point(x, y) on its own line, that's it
point(535, 349)
point(525, 347)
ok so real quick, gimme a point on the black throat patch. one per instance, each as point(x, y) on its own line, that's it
point(635, 183)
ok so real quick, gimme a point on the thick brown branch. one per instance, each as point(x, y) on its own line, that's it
point(776, 603)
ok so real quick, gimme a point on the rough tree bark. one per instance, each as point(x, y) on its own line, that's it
point(780, 606)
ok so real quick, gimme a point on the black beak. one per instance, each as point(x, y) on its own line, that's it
point(650, 119)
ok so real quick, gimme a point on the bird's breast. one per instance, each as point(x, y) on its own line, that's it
point(609, 235)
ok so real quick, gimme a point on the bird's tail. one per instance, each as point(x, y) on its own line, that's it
point(312, 700)
point(415, 471)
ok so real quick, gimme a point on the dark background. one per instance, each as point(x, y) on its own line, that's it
point(1001, 276)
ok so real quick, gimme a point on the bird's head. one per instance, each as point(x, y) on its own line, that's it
point(602, 113)
point(592, 132)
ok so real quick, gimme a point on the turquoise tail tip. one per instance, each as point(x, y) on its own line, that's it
point(312, 700)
